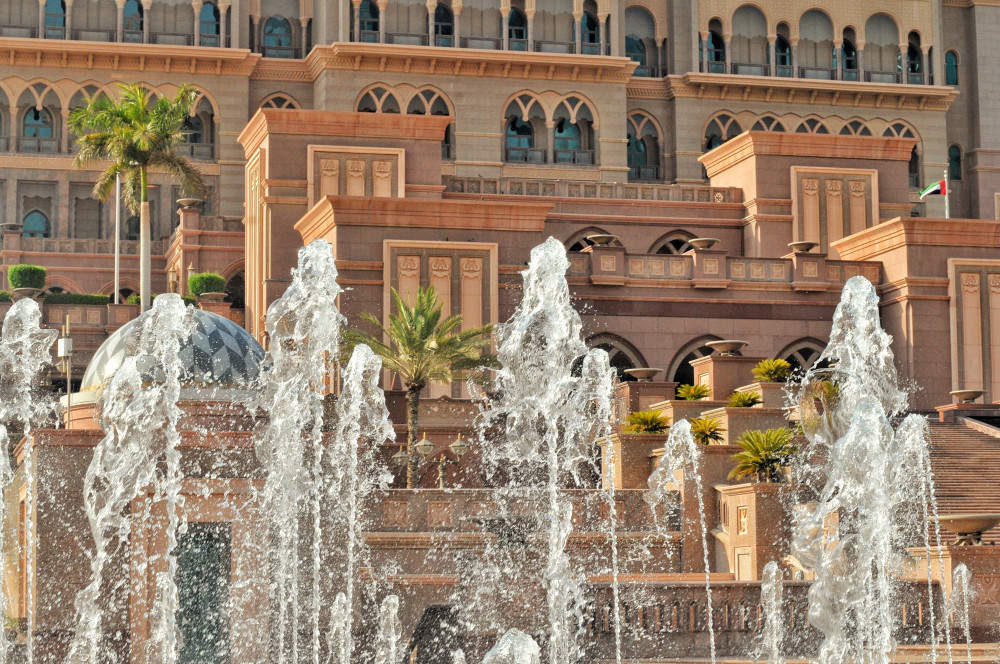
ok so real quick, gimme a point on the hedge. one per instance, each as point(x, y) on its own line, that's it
point(206, 282)
point(76, 298)
point(5, 296)
point(134, 299)
point(26, 276)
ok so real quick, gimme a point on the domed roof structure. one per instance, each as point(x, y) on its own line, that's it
point(220, 354)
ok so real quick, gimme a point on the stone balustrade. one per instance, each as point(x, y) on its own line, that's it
point(642, 191)
point(56, 245)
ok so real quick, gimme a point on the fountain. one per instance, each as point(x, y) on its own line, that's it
point(959, 601)
point(771, 596)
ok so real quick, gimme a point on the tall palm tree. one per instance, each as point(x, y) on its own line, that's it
point(422, 348)
point(136, 136)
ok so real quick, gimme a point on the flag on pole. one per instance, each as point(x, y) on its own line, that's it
point(940, 188)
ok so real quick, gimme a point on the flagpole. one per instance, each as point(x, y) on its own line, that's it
point(947, 193)
point(118, 233)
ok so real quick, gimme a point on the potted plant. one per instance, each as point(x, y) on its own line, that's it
point(765, 455)
point(210, 286)
point(647, 421)
point(693, 392)
point(772, 371)
point(707, 430)
point(26, 280)
point(744, 400)
point(771, 375)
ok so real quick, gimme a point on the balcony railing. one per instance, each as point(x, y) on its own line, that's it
point(915, 78)
point(586, 189)
point(517, 44)
point(3, 143)
point(22, 31)
point(643, 173)
point(750, 69)
point(55, 32)
point(818, 73)
point(446, 41)
point(208, 40)
point(409, 39)
point(883, 77)
point(526, 155)
point(201, 151)
point(542, 46)
point(486, 43)
point(649, 71)
point(784, 71)
point(86, 34)
point(579, 157)
point(173, 38)
point(44, 145)
point(589, 48)
point(714, 67)
point(851, 75)
point(368, 36)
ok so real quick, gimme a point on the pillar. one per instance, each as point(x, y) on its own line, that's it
point(223, 24)
point(925, 61)
point(41, 19)
point(431, 6)
point(901, 57)
point(121, 20)
point(727, 40)
point(504, 34)
point(602, 31)
point(860, 45)
point(840, 59)
point(794, 41)
point(456, 9)
point(69, 19)
point(196, 6)
point(147, 7)
point(578, 31)
point(255, 46)
point(550, 142)
point(704, 52)
point(661, 56)
point(64, 131)
point(530, 13)
point(304, 22)
point(772, 57)
point(383, 6)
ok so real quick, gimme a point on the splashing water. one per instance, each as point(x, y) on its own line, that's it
point(514, 647)
point(304, 329)
point(682, 458)
point(866, 479)
point(24, 353)
point(387, 647)
point(550, 419)
point(771, 597)
point(959, 601)
point(458, 656)
point(140, 449)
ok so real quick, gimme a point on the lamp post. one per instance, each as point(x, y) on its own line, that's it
point(64, 349)
point(425, 447)
point(190, 272)
point(172, 279)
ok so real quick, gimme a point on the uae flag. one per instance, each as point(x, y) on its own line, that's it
point(940, 188)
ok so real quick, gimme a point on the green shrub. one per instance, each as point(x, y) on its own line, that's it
point(134, 299)
point(75, 298)
point(744, 399)
point(772, 371)
point(647, 421)
point(206, 282)
point(707, 430)
point(5, 296)
point(26, 276)
point(693, 392)
point(765, 455)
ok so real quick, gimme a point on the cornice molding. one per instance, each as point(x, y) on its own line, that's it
point(114, 56)
point(775, 90)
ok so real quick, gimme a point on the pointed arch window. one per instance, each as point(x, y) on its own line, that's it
point(132, 229)
point(520, 140)
point(37, 132)
point(36, 224)
point(849, 52)
point(278, 38)
point(517, 30)
point(55, 19)
point(132, 22)
point(635, 50)
point(951, 68)
point(209, 24)
point(954, 162)
point(444, 26)
point(783, 56)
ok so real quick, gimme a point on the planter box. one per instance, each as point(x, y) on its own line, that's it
point(678, 409)
point(772, 394)
point(632, 455)
point(737, 421)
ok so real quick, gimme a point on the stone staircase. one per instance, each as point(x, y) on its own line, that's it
point(966, 464)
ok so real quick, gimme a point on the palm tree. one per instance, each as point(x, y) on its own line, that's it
point(764, 455)
point(136, 136)
point(422, 348)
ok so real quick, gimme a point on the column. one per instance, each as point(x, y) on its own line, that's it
point(147, 7)
point(839, 55)
point(41, 19)
point(602, 35)
point(15, 131)
point(383, 6)
point(795, 56)
point(904, 76)
point(860, 45)
point(223, 24)
point(64, 137)
point(578, 31)
point(69, 19)
point(531, 29)
point(772, 57)
point(504, 35)
point(727, 39)
point(925, 62)
point(121, 19)
point(255, 46)
point(550, 142)
point(304, 22)
point(704, 52)
point(456, 9)
point(196, 6)
point(431, 6)
point(661, 54)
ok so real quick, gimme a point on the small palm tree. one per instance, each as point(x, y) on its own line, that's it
point(764, 455)
point(647, 421)
point(693, 392)
point(136, 136)
point(422, 348)
point(772, 371)
point(707, 430)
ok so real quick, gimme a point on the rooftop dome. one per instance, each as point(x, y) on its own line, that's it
point(220, 354)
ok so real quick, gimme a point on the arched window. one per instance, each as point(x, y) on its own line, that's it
point(748, 44)
point(209, 25)
point(517, 30)
point(716, 53)
point(913, 169)
point(637, 156)
point(849, 52)
point(635, 50)
point(722, 128)
point(37, 132)
point(278, 38)
point(855, 128)
point(589, 32)
point(802, 354)
point(55, 19)
point(768, 123)
point(132, 21)
point(914, 64)
point(235, 290)
point(368, 17)
point(36, 224)
point(673, 244)
point(520, 140)
point(643, 147)
point(951, 68)
point(621, 354)
point(132, 229)
point(683, 372)
point(815, 50)
point(194, 130)
point(783, 52)
point(567, 136)
point(954, 162)
point(444, 26)
point(811, 126)
point(279, 101)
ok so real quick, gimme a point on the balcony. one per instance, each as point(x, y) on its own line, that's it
point(649, 71)
point(487, 43)
point(173, 38)
point(525, 155)
point(199, 151)
point(644, 173)
point(38, 145)
point(369, 36)
point(446, 41)
point(635, 191)
point(714, 67)
point(750, 69)
point(284, 52)
point(19, 31)
point(87, 34)
point(818, 73)
point(883, 77)
point(406, 38)
point(132, 36)
point(578, 157)
point(55, 32)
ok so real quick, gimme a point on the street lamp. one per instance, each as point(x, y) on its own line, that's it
point(172, 279)
point(425, 447)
